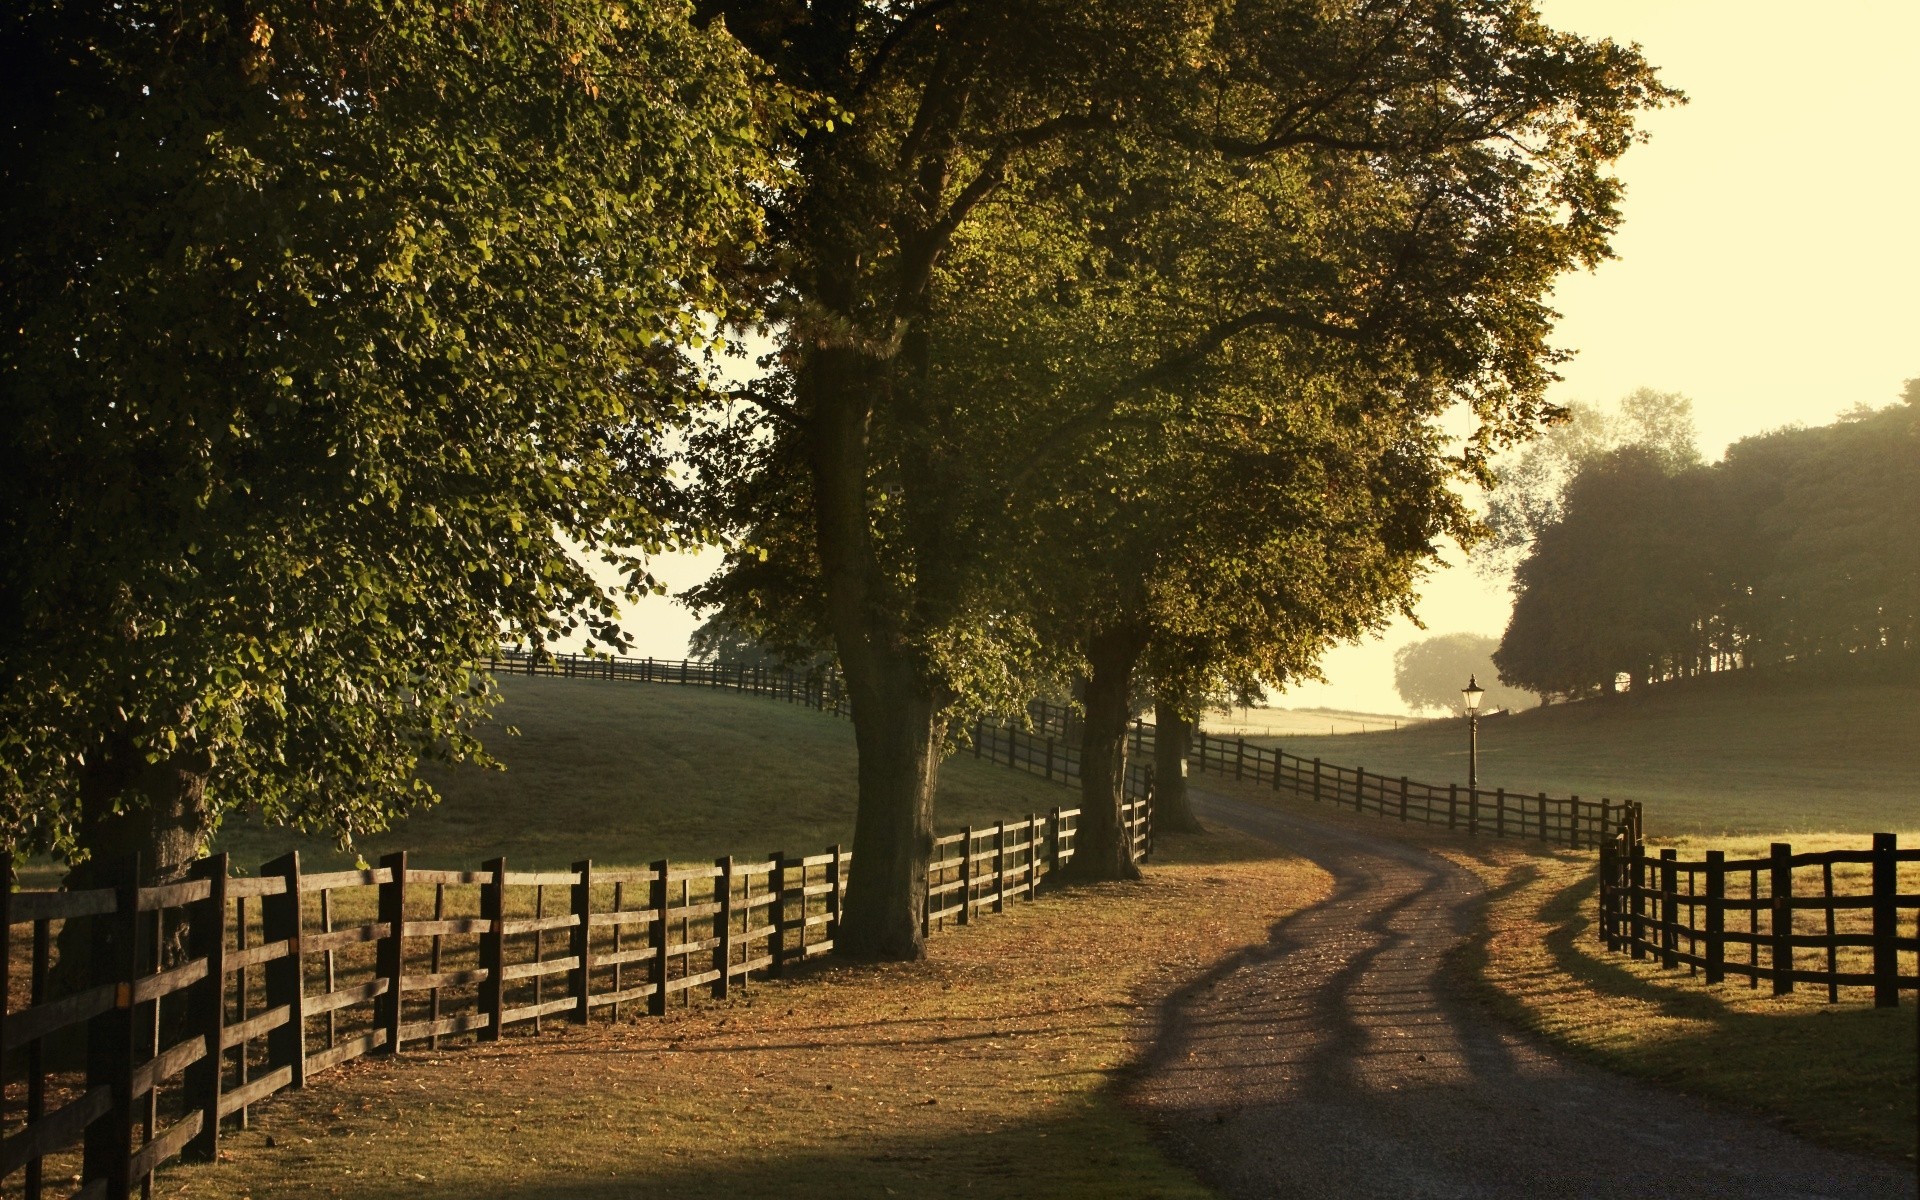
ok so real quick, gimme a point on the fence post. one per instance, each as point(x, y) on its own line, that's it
point(657, 938)
point(493, 947)
point(1033, 854)
point(1669, 908)
point(1403, 799)
point(1637, 881)
point(1609, 894)
point(836, 879)
point(1359, 789)
point(1886, 913)
point(208, 1004)
point(114, 938)
point(1053, 840)
point(1239, 757)
point(1782, 925)
point(391, 956)
point(1716, 915)
point(777, 938)
point(999, 866)
point(966, 876)
point(723, 925)
point(1500, 812)
point(582, 947)
point(1543, 817)
point(285, 976)
point(1453, 807)
point(1316, 781)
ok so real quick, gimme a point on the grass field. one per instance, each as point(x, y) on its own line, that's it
point(625, 773)
point(987, 1071)
point(1750, 757)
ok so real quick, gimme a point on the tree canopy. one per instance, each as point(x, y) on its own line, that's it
point(1795, 547)
point(334, 331)
point(1431, 672)
point(1033, 229)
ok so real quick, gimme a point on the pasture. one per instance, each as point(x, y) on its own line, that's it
point(1734, 756)
point(626, 773)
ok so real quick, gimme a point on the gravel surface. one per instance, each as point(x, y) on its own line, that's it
point(1334, 1063)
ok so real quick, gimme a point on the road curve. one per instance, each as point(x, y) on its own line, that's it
point(1334, 1063)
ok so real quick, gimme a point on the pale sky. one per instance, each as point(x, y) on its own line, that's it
point(1768, 267)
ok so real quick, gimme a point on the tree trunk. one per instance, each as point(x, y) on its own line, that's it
point(130, 810)
point(897, 710)
point(899, 731)
point(1172, 805)
point(1102, 848)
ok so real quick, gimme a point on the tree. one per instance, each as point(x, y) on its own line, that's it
point(1407, 178)
point(1793, 548)
point(1530, 486)
point(1431, 672)
point(332, 329)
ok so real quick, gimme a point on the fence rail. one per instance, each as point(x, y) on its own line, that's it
point(203, 998)
point(1754, 917)
point(1051, 749)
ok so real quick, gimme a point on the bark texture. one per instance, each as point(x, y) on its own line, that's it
point(1102, 848)
point(1172, 803)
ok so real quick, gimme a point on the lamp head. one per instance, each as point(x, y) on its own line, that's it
point(1472, 693)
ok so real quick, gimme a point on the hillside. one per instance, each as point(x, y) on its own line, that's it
point(1718, 755)
point(625, 773)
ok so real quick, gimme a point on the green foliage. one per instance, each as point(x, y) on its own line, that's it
point(1431, 672)
point(1796, 547)
point(1172, 296)
point(1529, 493)
point(335, 332)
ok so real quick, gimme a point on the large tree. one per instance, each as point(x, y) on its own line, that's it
point(1404, 178)
point(334, 331)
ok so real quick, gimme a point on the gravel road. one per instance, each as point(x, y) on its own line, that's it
point(1335, 1063)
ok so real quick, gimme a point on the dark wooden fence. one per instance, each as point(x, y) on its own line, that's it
point(1050, 748)
point(1831, 918)
point(287, 974)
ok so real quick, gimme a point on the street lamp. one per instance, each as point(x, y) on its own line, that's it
point(1471, 694)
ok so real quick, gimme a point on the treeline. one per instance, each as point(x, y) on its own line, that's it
point(1799, 545)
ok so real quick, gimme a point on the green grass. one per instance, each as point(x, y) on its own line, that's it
point(1722, 756)
point(1842, 1074)
point(625, 773)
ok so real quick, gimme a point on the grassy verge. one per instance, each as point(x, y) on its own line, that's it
point(986, 1071)
point(1742, 756)
point(625, 773)
point(1840, 1074)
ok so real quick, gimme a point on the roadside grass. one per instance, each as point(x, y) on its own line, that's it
point(626, 773)
point(1840, 1074)
point(1754, 756)
point(988, 1070)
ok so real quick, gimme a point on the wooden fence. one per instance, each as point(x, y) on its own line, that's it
point(1831, 918)
point(1051, 748)
point(204, 997)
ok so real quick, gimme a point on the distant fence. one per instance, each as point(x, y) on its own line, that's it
point(1831, 918)
point(282, 976)
point(1051, 749)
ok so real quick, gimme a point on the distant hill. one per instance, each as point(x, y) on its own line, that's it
point(1743, 752)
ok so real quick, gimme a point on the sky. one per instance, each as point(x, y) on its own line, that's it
point(1768, 267)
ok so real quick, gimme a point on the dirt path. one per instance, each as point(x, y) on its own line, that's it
point(1333, 1063)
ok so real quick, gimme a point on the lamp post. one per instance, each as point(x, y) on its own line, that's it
point(1471, 694)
